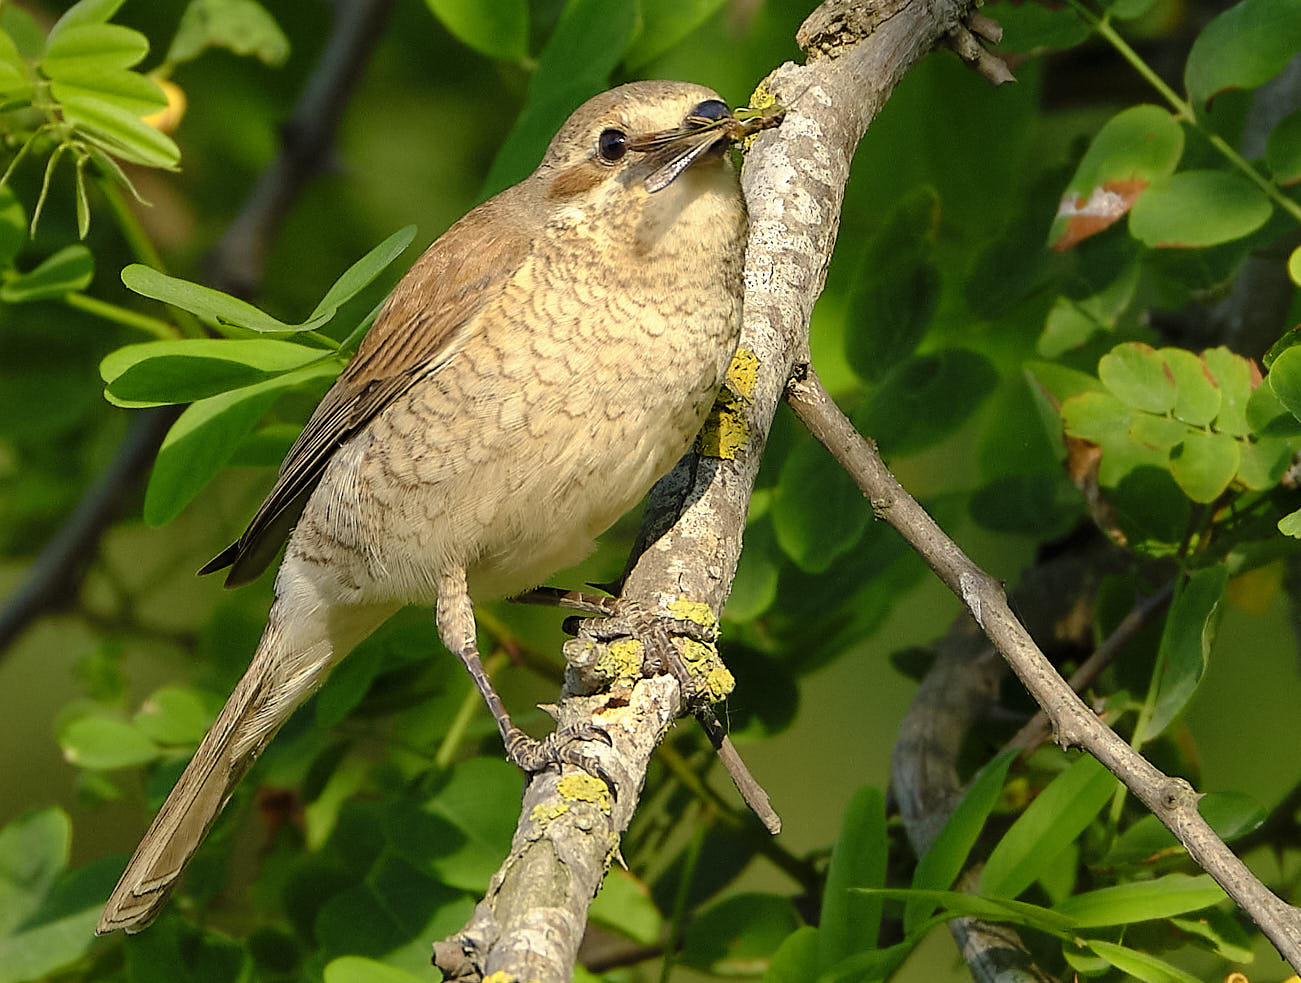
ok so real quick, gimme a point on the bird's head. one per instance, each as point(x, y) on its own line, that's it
point(640, 139)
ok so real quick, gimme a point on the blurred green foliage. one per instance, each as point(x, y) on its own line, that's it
point(1031, 309)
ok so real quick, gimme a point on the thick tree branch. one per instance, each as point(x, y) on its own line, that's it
point(1172, 800)
point(236, 265)
point(531, 920)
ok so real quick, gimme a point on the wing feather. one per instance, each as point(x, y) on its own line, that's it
point(438, 299)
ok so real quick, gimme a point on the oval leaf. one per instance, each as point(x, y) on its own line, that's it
point(104, 743)
point(499, 29)
point(1133, 150)
point(926, 398)
point(818, 513)
point(1283, 149)
point(86, 48)
point(1194, 209)
point(1204, 464)
point(1139, 377)
point(1285, 379)
point(1242, 48)
point(1197, 395)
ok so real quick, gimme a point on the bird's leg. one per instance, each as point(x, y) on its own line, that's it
point(455, 617)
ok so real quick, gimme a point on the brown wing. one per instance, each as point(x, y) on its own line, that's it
point(457, 277)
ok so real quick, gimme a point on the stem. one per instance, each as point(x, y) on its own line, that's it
point(1183, 109)
point(116, 314)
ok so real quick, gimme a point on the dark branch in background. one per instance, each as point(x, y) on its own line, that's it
point(54, 579)
point(958, 692)
point(531, 920)
point(1172, 800)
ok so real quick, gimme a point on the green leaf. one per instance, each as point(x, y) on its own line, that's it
point(1185, 646)
point(851, 918)
point(868, 966)
point(791, 962)
point(1284, 379)
point(1138, 901)
point(105, 743)
point(61, 930)
point(1236, 376)
point(1195, 209)
point(588, 42)
point(1283, 149)
point(1051, 822)
point(159, 372)
point(499, 29)
point(1264, 461)
point(1140, 965)
point(818, 513)
point(84, 12)
point(897, 289)
point(1136, 148)
point(360, 969)
point(121, 132)
point(87, 48)
point(205, 436)
point(204, 302)
point(362, 273)
point(958, 904)
point(1031, 26)
point(1290, 524)
point(459, 834)
point(739, 934)
point(175, 715)
point(1198, 397)
point(1204, 464)
point(1036, 503)
point(70, 269)
point(1139, 377)
point(1223, 933)
point(663, 24)
point(241, 26)
point(130, 91)
point(624, 905)
point(34, 850)
point(1097, 417)
point(1159, 432)
point(1242, 48)
point(1294, 266)
point(15, 73)
point(940, 866)
point(924, 399)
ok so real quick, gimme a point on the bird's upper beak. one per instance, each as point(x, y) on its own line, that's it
point(710, 126)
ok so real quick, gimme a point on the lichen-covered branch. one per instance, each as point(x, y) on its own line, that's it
point(531, 921)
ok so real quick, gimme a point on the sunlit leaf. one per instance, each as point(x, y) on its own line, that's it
point(499, 29)
point(1135, 148)
point(1137, 901)
point(1241, 48)
point(1053, 820)
point(1194, 209)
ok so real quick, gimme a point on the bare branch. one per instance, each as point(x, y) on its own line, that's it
point(1172, 800)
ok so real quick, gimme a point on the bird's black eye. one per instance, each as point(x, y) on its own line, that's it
point(612, 145)
point(714, 109)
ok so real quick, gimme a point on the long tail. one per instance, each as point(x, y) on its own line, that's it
point(290, 664)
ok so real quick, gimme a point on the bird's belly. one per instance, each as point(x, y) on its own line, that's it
point(506, 468)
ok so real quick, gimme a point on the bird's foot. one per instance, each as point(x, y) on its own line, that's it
point(680, 643)
point(562, 746)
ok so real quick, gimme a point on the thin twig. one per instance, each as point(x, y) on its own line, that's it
point(1172, 800)
point(1038, 729)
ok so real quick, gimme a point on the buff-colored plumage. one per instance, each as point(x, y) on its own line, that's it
point(541, 365)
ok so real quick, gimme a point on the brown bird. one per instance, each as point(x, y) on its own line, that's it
point(538, 369)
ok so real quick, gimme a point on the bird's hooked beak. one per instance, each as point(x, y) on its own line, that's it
point(710, 126)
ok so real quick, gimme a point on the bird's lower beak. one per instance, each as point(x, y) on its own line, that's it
point(673, 151)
